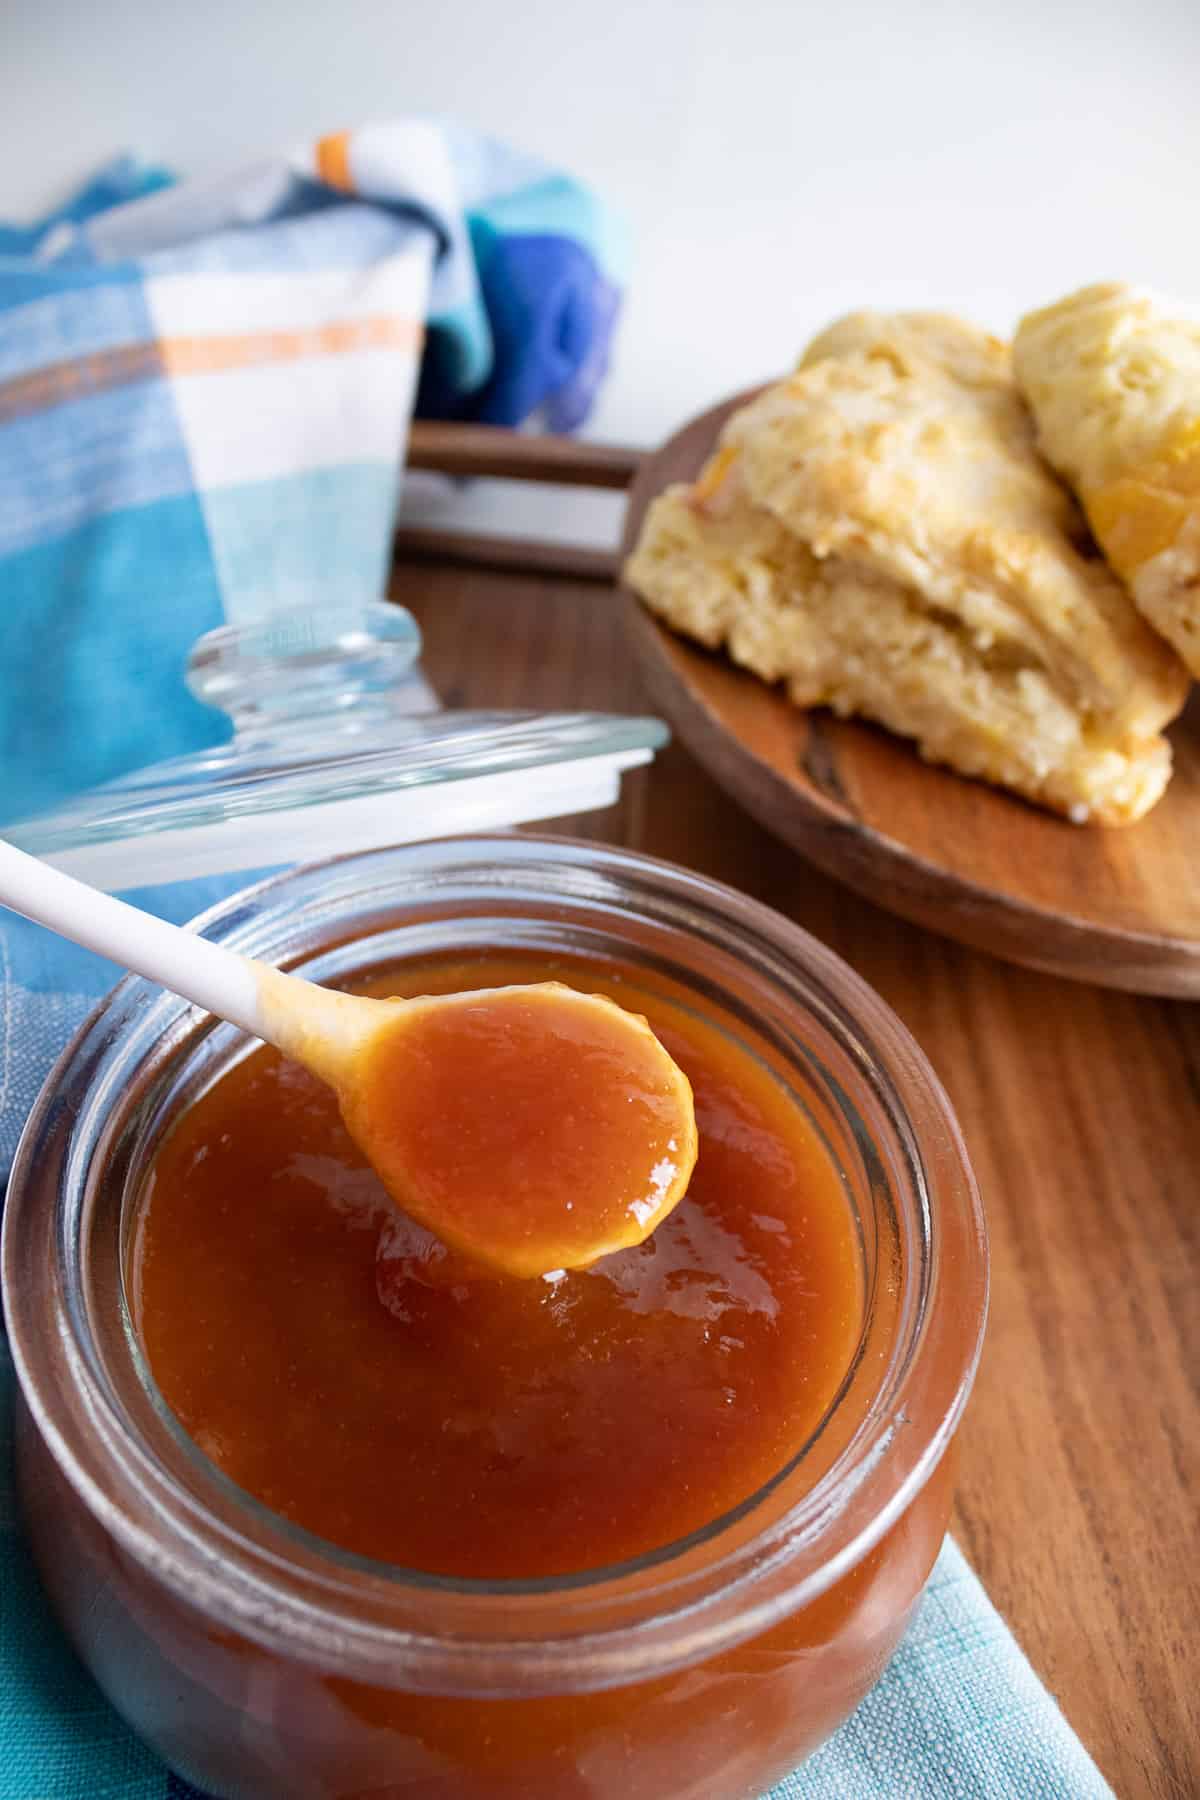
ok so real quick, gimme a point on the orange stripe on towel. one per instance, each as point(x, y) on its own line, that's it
point(333, 161)
point(247, 350)
point(78, 379)
point(82, 377)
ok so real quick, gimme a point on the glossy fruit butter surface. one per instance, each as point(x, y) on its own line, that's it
point(344, 1367)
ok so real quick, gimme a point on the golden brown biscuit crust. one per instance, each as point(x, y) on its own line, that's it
point(879, 532)
point(1112, 374)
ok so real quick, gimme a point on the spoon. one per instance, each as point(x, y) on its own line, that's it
point(534, 1128)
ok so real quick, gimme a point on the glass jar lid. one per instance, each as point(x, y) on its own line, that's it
point(338, 744)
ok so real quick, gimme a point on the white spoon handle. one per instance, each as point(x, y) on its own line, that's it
point(218, 980)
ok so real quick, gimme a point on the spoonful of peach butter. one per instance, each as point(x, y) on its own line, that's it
point(532, 1128)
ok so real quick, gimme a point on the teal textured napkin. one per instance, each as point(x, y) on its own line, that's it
point(959, 1713)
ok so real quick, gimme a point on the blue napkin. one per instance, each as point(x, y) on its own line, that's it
point(959, 1713)
point(205, 390)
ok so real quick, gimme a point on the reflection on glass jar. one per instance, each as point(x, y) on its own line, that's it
point(263, 1660)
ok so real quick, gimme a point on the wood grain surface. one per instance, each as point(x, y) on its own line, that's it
point(1079, 1496)
point(1121, 907)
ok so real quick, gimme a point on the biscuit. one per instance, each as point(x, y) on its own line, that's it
point(1113, 377)
point(878, 532)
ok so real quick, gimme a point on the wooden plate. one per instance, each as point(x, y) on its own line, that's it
point(1117, 907)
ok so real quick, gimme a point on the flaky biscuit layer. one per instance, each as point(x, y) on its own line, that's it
point(1112, 375)
point(879, 533)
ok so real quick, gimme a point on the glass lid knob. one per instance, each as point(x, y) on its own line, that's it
point(319, 668)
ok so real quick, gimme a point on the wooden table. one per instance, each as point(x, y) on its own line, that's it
point(1079, 1501)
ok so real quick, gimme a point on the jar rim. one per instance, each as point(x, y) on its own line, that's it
point(634, 1621)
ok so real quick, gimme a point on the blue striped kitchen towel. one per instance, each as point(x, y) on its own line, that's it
point(204, 394)
point(958, 1715)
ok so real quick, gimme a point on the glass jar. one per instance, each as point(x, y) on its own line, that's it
point(261, 1661)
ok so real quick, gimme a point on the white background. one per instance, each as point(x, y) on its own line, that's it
point(778, 162)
